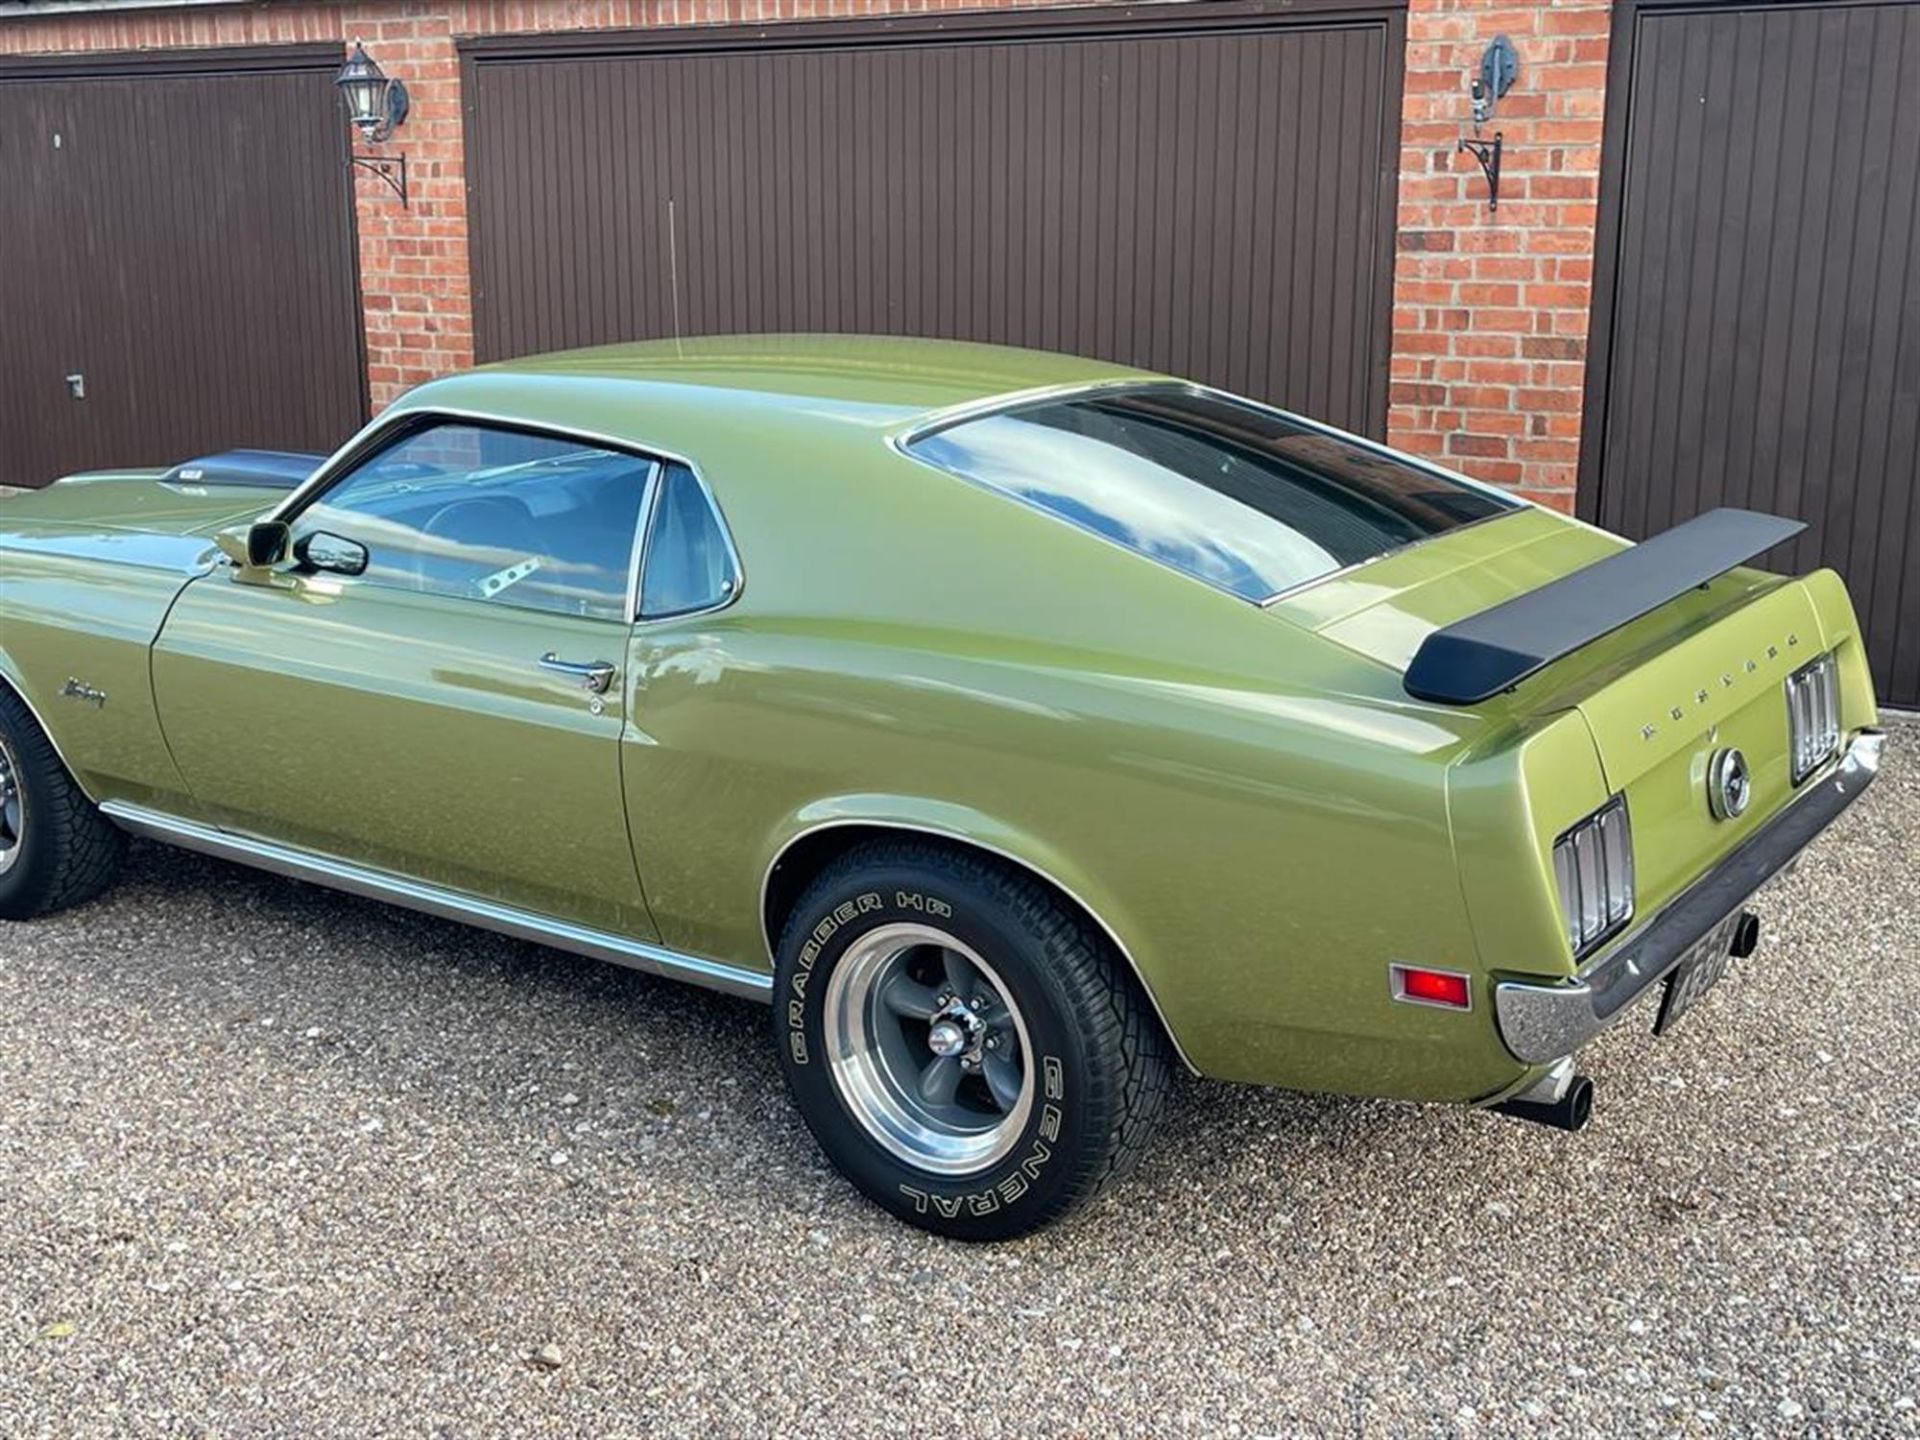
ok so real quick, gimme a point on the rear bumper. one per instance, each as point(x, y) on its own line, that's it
point(1541, 1022)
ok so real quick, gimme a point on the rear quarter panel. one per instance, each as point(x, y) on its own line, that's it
point(1257, 814)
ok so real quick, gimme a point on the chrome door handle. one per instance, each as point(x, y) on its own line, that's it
point(594, 675)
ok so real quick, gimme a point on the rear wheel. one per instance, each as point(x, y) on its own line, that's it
point(965, 1046)
point(56, 848)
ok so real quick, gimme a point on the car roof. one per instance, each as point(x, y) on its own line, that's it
point(866, 378)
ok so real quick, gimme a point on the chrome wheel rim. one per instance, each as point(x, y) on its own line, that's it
point(928, 1050)
point(13, 807)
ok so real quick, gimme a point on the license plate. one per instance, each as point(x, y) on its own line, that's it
point(1699, 971)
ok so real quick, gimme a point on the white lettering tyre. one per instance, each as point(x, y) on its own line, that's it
point(964, 1044)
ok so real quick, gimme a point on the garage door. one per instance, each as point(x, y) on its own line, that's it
point(1209, 194)
point(1758, 339)
point(178, 235)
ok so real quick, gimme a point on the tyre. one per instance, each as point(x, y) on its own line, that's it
point(56, 849)
point(966, 1047)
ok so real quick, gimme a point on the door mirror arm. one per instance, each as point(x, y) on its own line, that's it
point(260, 546)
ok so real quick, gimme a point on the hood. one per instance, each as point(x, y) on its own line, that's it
point(144, 501)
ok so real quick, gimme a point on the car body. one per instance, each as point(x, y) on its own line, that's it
point(1281, 845)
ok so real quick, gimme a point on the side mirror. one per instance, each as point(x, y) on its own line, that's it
point(335, 554)
point(261, 545)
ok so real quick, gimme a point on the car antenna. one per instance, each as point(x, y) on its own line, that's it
point(673, 273)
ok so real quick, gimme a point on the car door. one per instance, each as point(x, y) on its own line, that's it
point(433, 687)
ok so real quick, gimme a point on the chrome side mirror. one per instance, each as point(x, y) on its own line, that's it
point(335, 554)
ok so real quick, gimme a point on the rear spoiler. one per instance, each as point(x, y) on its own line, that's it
point(1476, 658)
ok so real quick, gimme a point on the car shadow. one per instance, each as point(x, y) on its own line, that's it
point(433, 1009)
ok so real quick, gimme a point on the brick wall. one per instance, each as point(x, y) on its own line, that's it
point(1490, 309)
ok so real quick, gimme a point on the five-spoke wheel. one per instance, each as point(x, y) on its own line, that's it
point(966, 1045)
point(928, 1048)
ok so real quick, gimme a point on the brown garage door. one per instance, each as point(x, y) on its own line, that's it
point(178, 231)
point(1208, 193)
point(1757, 330)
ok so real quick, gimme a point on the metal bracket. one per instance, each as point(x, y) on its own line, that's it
point(387, 167)
point(1488, 154)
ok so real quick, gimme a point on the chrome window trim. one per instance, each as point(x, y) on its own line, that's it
point(373, 437)
point(924, 427)
point(766, 885)
point(448, 904)
point(646, 545)
point(648, 499)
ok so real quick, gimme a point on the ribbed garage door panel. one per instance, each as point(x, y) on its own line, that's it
point(1202, 203)
point(185, 242)
point(1765, 345)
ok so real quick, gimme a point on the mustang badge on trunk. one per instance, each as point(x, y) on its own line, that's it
point(1729, 786)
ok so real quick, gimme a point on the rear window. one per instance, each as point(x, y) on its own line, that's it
point(1226, 492)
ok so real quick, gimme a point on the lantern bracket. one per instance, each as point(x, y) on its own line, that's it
point(390, 168)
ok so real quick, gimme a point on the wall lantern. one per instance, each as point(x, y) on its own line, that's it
point(1499, 68)
point(376, 104)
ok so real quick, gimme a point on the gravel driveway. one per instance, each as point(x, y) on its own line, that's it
point(273, 1160)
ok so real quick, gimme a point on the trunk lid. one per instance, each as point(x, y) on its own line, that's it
point(1659, 696)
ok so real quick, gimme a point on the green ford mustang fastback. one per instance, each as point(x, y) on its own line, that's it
point(1018, 725)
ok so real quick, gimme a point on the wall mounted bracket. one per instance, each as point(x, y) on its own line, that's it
point(1487, 152)
point(390, 168)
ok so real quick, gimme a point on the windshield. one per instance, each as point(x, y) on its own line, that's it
point(1225, 491)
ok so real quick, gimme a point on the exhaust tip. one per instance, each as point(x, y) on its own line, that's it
point(1570, 1112)
point(1746, 935)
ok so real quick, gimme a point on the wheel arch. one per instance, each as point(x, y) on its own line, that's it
point(808, 852)
point(13, 684)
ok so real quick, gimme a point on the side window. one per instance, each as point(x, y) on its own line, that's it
point(494, 515)
point(689, 565)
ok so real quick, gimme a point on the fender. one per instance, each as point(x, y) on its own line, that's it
point(15, 682)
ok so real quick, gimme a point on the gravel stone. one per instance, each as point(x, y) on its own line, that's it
point(349, 1222)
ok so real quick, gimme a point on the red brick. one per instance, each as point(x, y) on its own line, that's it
point(1491, 446)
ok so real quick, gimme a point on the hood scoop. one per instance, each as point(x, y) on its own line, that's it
point(261, 469)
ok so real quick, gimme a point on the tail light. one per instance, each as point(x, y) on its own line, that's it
point(1593, 866)
point(1813, 715)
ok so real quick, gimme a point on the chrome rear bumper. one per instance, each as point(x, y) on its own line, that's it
point(1542, 1021)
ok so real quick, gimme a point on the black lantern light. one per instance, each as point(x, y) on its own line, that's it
point(375, 102)
point(376, 105)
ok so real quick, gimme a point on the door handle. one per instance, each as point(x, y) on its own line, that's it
point(594, 675)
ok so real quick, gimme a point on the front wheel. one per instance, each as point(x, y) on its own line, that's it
point(56, 849)
point(966, 1047)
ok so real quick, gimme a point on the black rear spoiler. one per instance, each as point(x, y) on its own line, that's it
point(1476, 658)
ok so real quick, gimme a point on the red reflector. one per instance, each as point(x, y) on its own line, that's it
point(1434, 987)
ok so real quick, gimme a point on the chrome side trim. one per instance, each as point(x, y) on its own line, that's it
point(447, 904)
point(1543, 1020)
point(766, 884)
